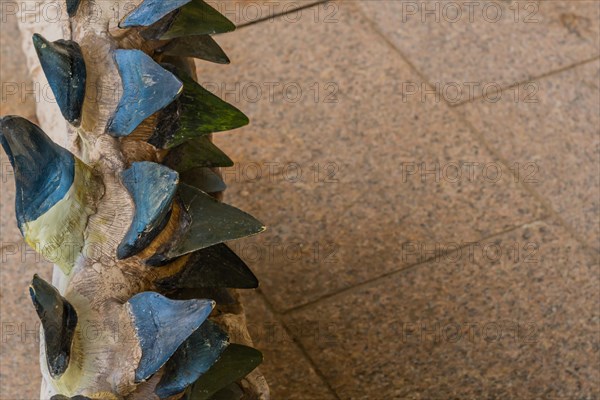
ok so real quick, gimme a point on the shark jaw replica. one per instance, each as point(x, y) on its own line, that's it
point(143, 298)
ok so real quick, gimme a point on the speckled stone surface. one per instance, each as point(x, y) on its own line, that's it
point(14, 77)
point(19, 348)
point(556, 140)
point(488, 42)
point(513, 325)
point(376, 195)
point(287, 370)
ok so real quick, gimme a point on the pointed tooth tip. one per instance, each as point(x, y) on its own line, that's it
point(39, 41)
point(35, 285)
point(124, 251)
point(8, 118)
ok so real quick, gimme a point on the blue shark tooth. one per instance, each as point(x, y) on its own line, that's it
point(192, 359)
point(197, 18)
point(147, 88)
point(212, 222)
point(44, 171)
point(204, 179)
point(162, 325)
point(72, 6)
point(203, 47)
point(150, 11)
point(152, 187)
point(64, 67)
point(214, 266)
point(58, 321)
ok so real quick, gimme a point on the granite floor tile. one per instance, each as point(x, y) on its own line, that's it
point(514, 317)
point(555, 139)
point(288, 372)
point(19, 366)
point(243, 12)
point(487, 43)
point(17, 96)
point(373, 149)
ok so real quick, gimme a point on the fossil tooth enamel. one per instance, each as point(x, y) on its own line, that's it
point(197, 112)
point(58, 319)
point(152, 187)
point(64, 67)
point(147, 88)
point(192, 359)
point(162, 325)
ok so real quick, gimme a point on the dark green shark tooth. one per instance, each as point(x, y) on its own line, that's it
point(199, 152)
point(214, 266)
point(231, 392)
point(61, 397)
point(192, 359)
point(72, 6)
point(147, 88)
point(195, 113)
point(220, 295)
point(59, 320)
point(44, 171)
point(155, 31)
point(236, 362)
point(203, 47)
point(152, 187)
point(64, 67)
point(197, 18)
point(204, 179)
point(150, 11)
point(162, 325)
point(212, 222)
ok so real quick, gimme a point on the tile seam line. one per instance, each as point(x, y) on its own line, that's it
point(298, 343)
point(527, 80)
point(545, 204)
point(402, 270)
point(279, 15)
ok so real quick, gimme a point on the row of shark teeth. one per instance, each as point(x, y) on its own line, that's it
point(204, 381)
point(45, 176)
point(57, 193)
point(187, 110)
point(174, 334)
